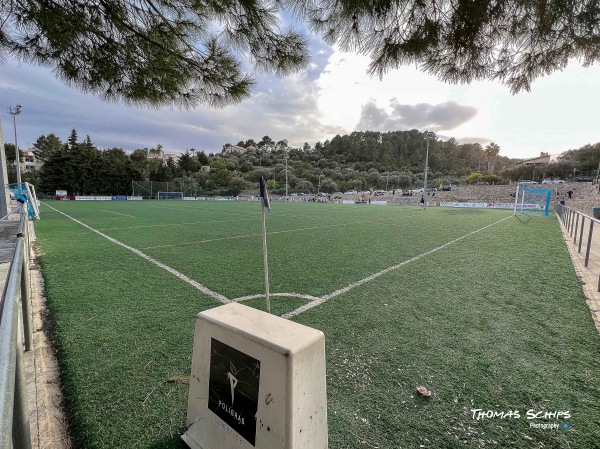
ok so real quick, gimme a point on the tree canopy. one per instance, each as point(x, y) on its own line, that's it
point(189, 52)
point(513, 41)
point(153, 52)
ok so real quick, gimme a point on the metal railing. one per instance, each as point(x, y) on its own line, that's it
point(15, 337)
point(580, 228)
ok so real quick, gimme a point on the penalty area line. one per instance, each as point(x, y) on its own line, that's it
point(159, 264)
point(349, 287)
point(117, 213)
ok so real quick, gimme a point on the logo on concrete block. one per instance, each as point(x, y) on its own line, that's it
point(233, 388)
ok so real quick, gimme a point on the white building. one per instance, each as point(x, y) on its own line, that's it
point(543, 158)
point(163, 157)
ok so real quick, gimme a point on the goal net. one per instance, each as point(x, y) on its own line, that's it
point(169, 195)
point(532, 201)
point(150, 189)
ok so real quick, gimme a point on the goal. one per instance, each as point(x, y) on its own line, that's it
point(532, 201)
point(169, 195)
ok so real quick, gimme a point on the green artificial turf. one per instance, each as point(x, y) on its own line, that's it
point(493, 321)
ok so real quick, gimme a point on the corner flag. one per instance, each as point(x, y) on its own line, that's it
point(265, 203)
point(264, 194)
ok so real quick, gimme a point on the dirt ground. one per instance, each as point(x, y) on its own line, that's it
point(47, 419)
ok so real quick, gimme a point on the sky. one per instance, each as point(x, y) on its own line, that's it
point(334, 96)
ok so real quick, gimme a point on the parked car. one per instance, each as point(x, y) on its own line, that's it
point(350, 192)
point(379, 192)
point(526, 181)
point(584, 179)
point(482, 183)
point(552, 181)
point(447, 188)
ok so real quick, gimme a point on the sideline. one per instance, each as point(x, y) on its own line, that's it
point(349, 287)
point(173, 271)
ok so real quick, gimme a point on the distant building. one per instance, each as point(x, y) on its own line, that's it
point(29, 161)
point(229, 149)
point(543, 158)
point(163, 157)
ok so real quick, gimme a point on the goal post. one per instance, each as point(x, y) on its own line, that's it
point(169, 195)
point(532, 201)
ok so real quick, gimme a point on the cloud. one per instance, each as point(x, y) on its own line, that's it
point(424, 116)
point(480, 140)
point(331, 97)
point(287, 110)
point(283, 108)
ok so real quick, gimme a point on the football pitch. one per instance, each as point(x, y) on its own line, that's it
point(482, 308)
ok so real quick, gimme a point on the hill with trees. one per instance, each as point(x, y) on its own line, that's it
point(356, 161)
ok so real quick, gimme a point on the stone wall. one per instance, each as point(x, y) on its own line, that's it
point(584, 197)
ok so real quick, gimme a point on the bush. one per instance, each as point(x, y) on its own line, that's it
point(489, 178)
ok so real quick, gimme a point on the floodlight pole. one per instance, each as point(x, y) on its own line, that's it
point(426, 170)
point(14, 111)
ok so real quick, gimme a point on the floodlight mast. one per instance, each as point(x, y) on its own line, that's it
point(14, 111)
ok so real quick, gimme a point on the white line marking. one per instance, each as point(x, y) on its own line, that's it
point(311, 228)
point(117, 213)
point(290, 295)
point(208, 222)
point(174, 272)
point(204, 211)
point(176, 224)
point(349, 287)
point(315, 301)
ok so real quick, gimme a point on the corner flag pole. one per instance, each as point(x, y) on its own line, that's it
point(265, 203)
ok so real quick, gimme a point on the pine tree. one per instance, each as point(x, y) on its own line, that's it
point(172, 52)
point(156, 52)
point(45, 146)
